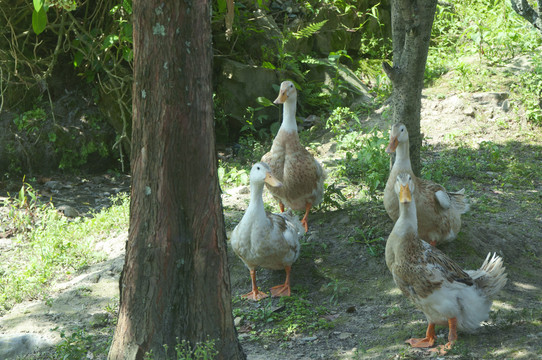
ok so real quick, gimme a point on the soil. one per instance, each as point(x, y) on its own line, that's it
point(338, 270)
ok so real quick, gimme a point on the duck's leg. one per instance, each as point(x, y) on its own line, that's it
point(452, 337)
point(284, 289)
point(281, 206)
point(433, 243)
point(255, 294)
point(304, 220)
point(428, 341)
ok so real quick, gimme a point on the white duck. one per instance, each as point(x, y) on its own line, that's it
point(301, 174)
point(434, 282)
point(264, 239)
point(439, 212)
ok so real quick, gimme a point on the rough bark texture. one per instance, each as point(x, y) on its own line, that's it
point(175, 283)
point(524, 9)
point(411, 31)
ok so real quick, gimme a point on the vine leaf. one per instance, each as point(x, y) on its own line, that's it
point(38, 5)
point(39, 19)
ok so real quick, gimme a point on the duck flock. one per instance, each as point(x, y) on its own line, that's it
point(425, 215)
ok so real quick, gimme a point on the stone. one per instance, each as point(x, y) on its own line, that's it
point(13, 346)
point(69, 211)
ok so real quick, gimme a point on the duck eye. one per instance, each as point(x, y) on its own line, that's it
point(291, 85)
point(257, 167)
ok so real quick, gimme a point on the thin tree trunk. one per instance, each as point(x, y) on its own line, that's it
point(412, 21)
point(175, 283)
point(525, 10)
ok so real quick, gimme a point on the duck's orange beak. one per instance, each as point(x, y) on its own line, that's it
point(392, 145)
point(404, 194)
point(281, 99)
point(271, 180)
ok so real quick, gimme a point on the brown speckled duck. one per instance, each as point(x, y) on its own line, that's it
point(301, 174)
point(263, 239)
point(445, 293)
point(439, 211)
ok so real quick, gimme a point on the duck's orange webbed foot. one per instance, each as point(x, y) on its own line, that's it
point(452, 337)
point(433, 243)
point(255, 295)
point(281, 206)
point(427, 341)
point(281, 290)
point(284, 289)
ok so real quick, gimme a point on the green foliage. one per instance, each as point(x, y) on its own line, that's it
point(74, 346)
point(50, 245)
point(230, 175)
point(30, 121)
point(332, 197)
point(371, 238)
point(366, 161)
point(529, 91)
point(341, 120)
point(23, 209)
point(291, 316)
point(185, 351)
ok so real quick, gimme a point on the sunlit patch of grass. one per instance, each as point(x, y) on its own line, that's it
point(55, 247)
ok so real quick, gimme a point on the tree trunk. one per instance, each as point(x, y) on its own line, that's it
point(524, 9)
point(412, 21)
point(175, 283)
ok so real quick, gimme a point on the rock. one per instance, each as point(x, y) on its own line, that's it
point(237, 321)
point(344, 336)
point(16, 345)
point(69, 211)
point(54, 185)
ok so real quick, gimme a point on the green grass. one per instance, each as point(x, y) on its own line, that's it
point(49, 246)
point(271, 319)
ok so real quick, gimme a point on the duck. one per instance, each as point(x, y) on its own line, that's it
point(439, 211)
point(301, 174)
point(438, 286)
point(263, 239)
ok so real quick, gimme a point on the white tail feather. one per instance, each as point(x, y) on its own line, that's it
point(491, 276)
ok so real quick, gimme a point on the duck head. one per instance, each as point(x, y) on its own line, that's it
point(287, 92)
point(261, 172)
point(398, 134)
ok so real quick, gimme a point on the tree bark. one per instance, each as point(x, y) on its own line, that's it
point(412, 21)
point(524, 9)
point(175, 283)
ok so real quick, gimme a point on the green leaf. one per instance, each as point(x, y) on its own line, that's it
point(264, 101)
point(38, 4)
point(77, 59)
point(268, 65)
point(39, 20)
point(109, 41)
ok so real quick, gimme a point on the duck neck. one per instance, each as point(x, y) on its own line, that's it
point(408, 220)
point(255, 206)
point(288, 116)
point(402, 154)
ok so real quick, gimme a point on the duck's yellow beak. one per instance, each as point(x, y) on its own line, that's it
point(281, 99)
point(404, 194)
point(392, 145)
point(271, 180)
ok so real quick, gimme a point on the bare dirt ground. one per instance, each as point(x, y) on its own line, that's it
point(341, 274)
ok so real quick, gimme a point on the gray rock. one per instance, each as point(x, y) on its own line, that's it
point(15, 345)
point(69, 211)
